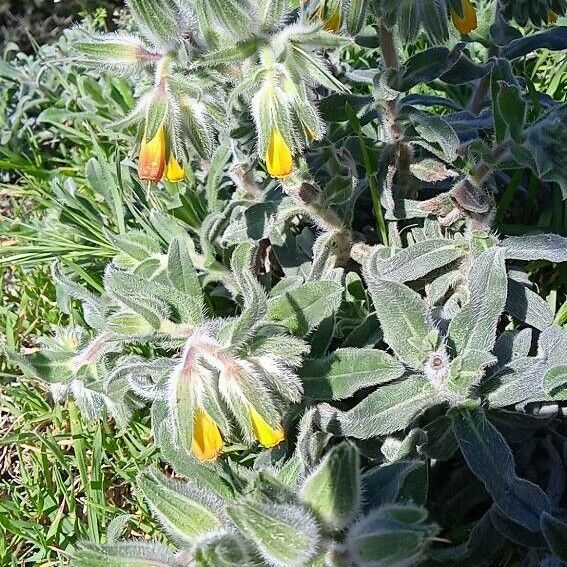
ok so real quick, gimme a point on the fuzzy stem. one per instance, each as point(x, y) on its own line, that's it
point(485, 168)
point(388, 47)
point(92, 352)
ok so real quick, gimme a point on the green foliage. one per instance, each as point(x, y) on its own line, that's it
point(353, 355)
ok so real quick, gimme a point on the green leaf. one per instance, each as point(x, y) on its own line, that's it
point(491, 460)
point(286, 535)
point(527, 306)
point(235, 17)
point(101, 179)
point(434, 18)
point(181, 271)
point(302, 309)
point(427, 65)
point(400, 481)
point(127, 554)
point(436, 130)
point(553, 39)
point(555, 533)
point(238, 52)
point(393, 535)
point(550, 247)
point(555, 378)
point(346, 371)
point(515, 382)
point(408, 19)
point(419, 259)
point(332, 490)
point(388, 409)
point(404, 318)
point(129, 324)
point(221, 551)
point(510, 113)
point(185, 511)
point(356, 15)
point(158, 20)
point(474, 328)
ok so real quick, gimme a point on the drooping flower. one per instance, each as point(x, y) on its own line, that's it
point(151, 164)
point(468, 22)
point(279, 160)
point(266, 435)
point(333, 22)
point(207, 441)
point(174, 172)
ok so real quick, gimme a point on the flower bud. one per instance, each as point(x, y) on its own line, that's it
point(333, 22)
point(266, 435)
point(174, 172)
point(151, 164)
point(468, 22)
point(279, 160)
point(552, 17)
point(207, 441)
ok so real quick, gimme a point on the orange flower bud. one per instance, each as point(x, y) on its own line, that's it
point(279, 160)
point(174, 172)
point(468, 22)
point(152, 157)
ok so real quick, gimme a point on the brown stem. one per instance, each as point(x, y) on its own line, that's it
point(388, 47)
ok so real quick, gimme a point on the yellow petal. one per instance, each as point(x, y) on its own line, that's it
point(267, 436)
point(468, 22)
point(152, 157)
point(207, 440)
point(552, 17)
point(279, 160)
point(333, 22)
point(173, 171)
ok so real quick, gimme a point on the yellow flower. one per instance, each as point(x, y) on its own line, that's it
point(552, 17)
point(468, 22)
point(279, 160)
point(267, 436)
point(173, 170)
point(333, 22)
point(207, 440)
point(152, 157)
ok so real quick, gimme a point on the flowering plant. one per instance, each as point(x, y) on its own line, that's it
point(342, 321)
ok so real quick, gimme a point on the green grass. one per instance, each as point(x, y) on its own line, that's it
point(62, 480)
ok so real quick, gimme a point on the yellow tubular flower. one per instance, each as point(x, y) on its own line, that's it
point(468, 22)
point(552, 17)
point(333, 22)
point(152, 157)
point(267, 436)
point(207, 440)
point(173, 171)
point(279, 160)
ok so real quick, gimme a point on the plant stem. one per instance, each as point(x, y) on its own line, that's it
point(485, 169)
point(374, 191)
point(388, 47)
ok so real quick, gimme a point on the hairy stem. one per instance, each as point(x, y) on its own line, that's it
point(485, 169)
